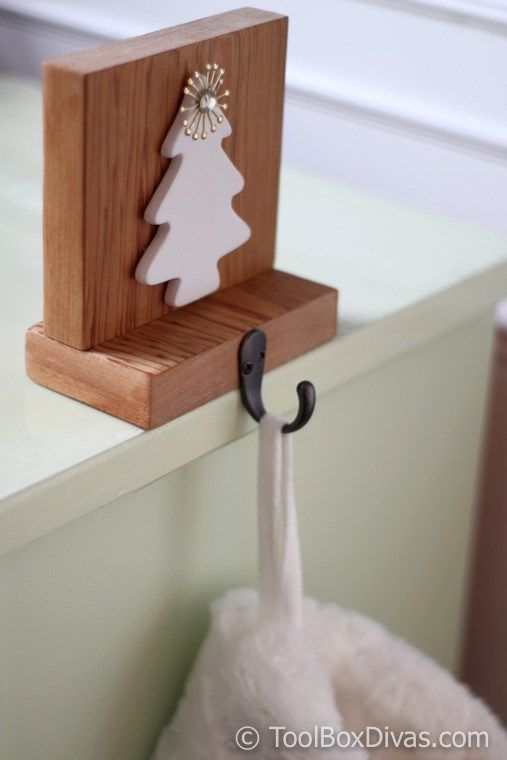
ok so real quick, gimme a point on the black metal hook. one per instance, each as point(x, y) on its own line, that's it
point(252, 352)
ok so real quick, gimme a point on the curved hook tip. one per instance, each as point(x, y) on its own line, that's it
point(307, 399)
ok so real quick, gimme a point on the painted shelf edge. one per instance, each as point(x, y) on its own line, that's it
point(124, 468)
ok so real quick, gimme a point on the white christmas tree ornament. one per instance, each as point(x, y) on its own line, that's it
point(193, 203)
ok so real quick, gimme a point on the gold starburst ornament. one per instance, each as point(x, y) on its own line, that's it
point(203, 114)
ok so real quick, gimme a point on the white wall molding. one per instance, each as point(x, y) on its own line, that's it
point(341, 99)
point(398, 97)
point(488, 16)
point(69, 19)
point(44, 32)
point(50, 27)
point(27, 39)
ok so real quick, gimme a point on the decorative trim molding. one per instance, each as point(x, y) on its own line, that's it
point(43, 17)
point(38, 21)
point(48, 28)
point(488, 16)
point(16, 27)
point(455, 130)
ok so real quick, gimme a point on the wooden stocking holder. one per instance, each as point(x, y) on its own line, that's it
point(107, 340)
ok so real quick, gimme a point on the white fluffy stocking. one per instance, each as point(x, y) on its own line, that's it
point(273, 660)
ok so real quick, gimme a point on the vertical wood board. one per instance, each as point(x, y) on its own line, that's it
point(106, 113)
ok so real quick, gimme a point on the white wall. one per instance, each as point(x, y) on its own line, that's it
point(405, 98)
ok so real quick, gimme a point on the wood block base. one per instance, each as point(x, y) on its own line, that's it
point(168, 367)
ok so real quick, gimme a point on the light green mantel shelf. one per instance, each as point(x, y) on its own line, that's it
point(404, 275)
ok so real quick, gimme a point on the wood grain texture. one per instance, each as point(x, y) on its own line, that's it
point(164, 369)
point(106, 113)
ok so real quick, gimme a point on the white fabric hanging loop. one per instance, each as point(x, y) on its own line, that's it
point(280, 577)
